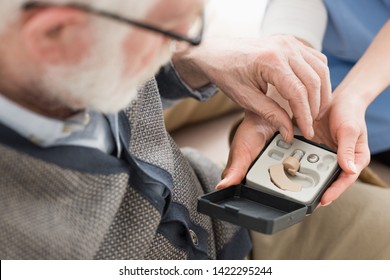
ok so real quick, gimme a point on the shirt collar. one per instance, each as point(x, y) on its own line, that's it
point(39, 129)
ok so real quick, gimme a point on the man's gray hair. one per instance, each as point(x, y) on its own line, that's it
point(10, 10)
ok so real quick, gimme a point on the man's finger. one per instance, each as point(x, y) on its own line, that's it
point(323, 73)
point(250, 138)
point(272, 113)
point(294, 91)
point(312, 82)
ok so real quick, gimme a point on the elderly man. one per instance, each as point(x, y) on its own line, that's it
point(87, 168)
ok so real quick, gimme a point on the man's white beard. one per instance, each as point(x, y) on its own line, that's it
point(99, 83)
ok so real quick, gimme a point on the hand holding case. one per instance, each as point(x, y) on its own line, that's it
point(258, 207)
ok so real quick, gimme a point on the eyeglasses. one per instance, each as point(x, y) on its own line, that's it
point(196, 28)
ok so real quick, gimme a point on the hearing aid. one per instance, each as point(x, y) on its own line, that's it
point(290, 165)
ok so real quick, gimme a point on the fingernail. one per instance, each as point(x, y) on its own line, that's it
point(352, 166)
point(311, 132)
point(222, 182)
point(284, 132)
point(327, 204)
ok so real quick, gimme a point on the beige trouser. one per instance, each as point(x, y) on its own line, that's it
point(356, 226)
point(189, 111)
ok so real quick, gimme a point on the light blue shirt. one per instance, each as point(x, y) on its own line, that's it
point(352, 25)
point(88, 128)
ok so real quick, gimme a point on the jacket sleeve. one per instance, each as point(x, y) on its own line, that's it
point(172, 87)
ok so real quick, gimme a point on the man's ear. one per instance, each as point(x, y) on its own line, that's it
point(57, 35)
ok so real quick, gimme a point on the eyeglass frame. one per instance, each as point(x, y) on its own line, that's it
point(88, 9)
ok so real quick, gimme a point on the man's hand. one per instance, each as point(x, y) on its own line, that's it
point(250, 138)
point(243, 68)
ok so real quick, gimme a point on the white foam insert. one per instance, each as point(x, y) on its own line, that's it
point(258, 176)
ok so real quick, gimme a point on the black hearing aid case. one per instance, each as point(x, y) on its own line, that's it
point(258, 204)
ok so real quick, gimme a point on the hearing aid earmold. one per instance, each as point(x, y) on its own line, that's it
point(291, 165)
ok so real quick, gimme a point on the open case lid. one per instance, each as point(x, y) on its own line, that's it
point(251, 208)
